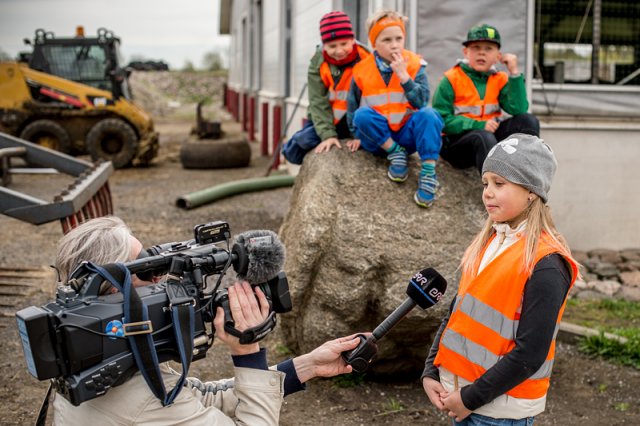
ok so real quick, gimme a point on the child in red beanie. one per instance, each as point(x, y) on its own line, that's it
point(329, 78)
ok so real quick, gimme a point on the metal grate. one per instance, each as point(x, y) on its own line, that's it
point(568, 32)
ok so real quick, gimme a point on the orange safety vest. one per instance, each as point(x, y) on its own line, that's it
point(484, 321)
point(467, 101)
point(338, 92)
point(388, 100)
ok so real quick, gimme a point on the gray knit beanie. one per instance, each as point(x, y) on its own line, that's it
point(524, 160)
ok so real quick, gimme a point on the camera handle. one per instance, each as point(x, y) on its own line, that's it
point(250, 335)
point(360, 357)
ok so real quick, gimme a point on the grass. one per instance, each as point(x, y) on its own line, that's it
point(391, 407)
point(348, 380)
point(620, 317)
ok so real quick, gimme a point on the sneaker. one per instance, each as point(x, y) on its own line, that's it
point(398, 169)
point(426, 193)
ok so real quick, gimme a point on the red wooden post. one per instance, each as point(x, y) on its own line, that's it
point(277, 132)
point(252, 119)
point(236, 106)
point(244, 111)
point(225, 96)
point(232, 104)
point(264, 145)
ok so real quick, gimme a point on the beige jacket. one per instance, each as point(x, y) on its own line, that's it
point(254, 397)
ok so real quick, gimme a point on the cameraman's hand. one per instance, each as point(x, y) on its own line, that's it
point(246, 313)
point(325, 360)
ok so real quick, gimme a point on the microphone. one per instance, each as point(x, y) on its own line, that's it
point(260, 255)
point(425, 289)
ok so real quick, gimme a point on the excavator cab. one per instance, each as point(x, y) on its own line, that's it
point(94, 61)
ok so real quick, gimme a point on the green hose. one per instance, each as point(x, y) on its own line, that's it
point(217, 192)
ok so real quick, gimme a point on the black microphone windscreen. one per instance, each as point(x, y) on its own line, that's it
point(265, 254)
point(426, 288)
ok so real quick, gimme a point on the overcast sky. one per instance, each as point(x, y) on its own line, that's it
point(174, 31)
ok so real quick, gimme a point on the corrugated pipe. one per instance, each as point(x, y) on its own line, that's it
point(214, 193)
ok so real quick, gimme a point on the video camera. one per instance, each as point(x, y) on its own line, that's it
point(82, 341)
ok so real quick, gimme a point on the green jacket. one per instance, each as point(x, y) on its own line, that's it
point(512, 98)
point(320, 112)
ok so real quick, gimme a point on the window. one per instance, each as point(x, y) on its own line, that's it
point(565, 41)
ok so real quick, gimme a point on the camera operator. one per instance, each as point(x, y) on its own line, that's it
point(253, 397)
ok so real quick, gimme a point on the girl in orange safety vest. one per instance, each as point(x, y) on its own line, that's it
point(492, 357)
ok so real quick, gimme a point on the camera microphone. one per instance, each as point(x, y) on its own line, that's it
point(260, 255)
point(425, 289)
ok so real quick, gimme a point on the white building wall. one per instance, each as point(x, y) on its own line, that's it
point(272, 47)
point(595, 196)
point(238, 11)
point(305, 29)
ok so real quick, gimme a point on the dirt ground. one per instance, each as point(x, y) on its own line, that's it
point(583, 392)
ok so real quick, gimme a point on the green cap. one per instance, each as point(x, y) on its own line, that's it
point(483, 32)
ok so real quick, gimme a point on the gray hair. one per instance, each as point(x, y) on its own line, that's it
point(101, 240)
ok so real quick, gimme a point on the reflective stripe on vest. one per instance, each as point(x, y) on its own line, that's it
point(467, 101)
point(338, 92)
point(485, 318)
point(388, 100)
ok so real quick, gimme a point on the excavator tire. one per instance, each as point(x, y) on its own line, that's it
point(231, 151)
point(114, 140)
point(48, 134)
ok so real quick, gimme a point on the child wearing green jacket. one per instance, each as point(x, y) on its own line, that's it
point(480, 105)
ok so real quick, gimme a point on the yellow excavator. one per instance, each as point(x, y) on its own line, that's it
point(72, 96)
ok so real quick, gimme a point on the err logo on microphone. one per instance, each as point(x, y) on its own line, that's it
point(423, 282)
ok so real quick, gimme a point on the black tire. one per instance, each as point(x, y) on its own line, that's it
point(114, 140)
point(49, 134)
point(232, 151)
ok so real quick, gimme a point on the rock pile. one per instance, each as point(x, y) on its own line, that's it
point(608, 274)
point(167, 93)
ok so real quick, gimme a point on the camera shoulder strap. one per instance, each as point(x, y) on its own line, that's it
point(138, 328)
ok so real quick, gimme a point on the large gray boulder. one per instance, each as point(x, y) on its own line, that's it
point(354, 239)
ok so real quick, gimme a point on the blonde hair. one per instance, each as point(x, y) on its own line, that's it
point(381, 14)
point(538, 216)
point(101, 240)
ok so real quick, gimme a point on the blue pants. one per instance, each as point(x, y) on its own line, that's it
point(305, 139)
point(420, 133)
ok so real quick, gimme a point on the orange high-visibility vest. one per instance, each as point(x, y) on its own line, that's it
point(388, 100)
point(483, 325)
point(338, 92)
point(467, 101)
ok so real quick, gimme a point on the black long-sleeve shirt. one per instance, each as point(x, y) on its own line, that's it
point(544, 294)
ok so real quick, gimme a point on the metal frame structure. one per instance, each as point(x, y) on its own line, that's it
point(88, 196)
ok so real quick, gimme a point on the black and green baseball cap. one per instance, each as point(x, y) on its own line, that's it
point(483, 32)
